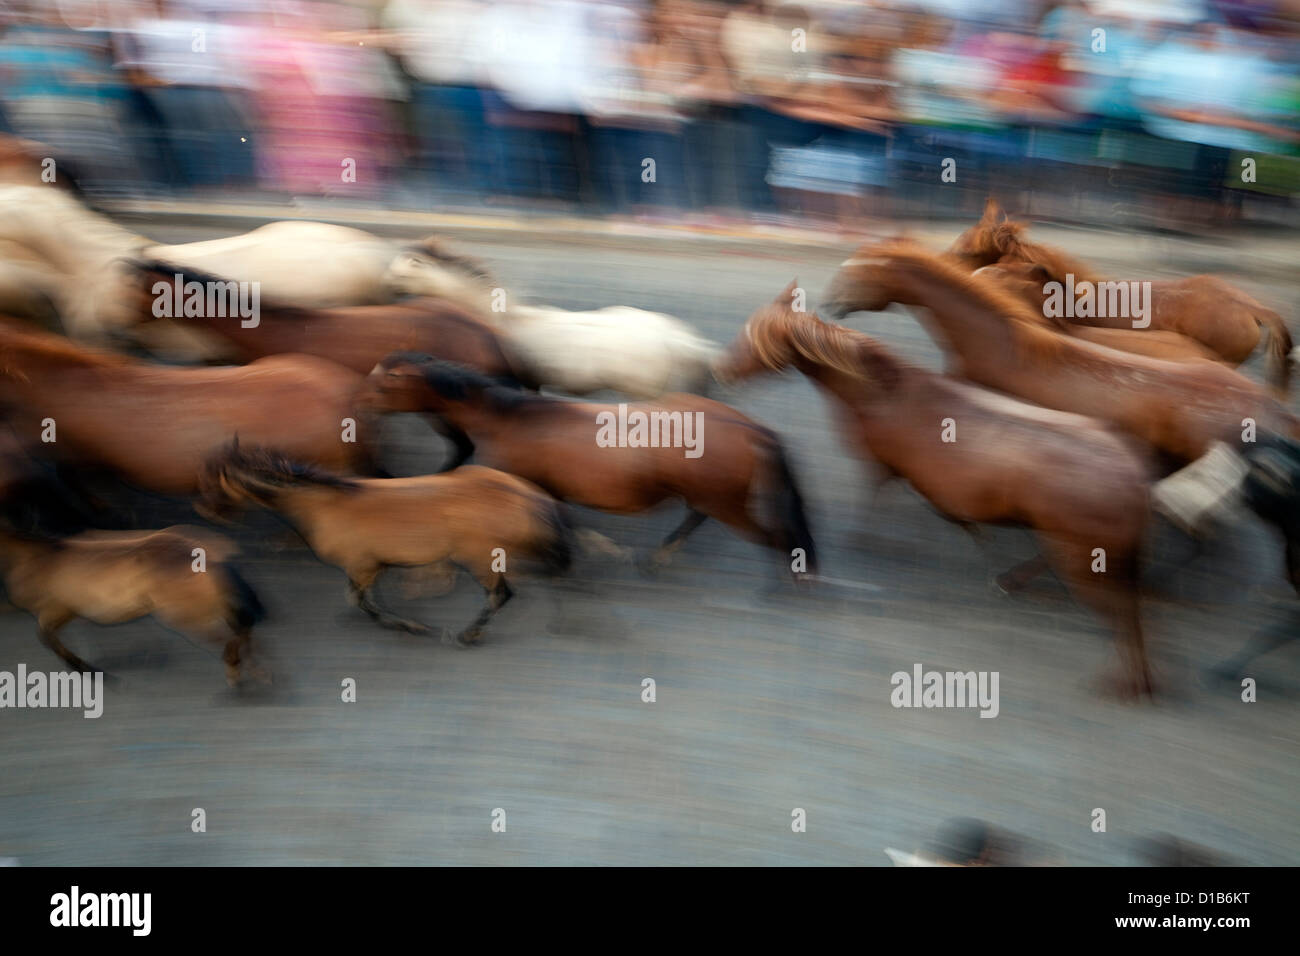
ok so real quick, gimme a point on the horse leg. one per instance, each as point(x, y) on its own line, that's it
point(1010, 580)
point(1113, 594)
point(1015, 578)
point(48, 625)
point(660, 557)
point(360, 585)
point(231, 656)
point(1269, 640)
point(497, 595)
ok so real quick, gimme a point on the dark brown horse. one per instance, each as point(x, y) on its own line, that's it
point(995, 339)
point(154, 425)
point(622, 459)
point(1080, 486)
point(1204, 307)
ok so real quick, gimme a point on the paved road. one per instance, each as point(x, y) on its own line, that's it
point(765, 703)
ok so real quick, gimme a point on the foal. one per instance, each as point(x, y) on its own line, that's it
point(110, 577)
point(741, 476)
point(1076, 483)
point(474, 518)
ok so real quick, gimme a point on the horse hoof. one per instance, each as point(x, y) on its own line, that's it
point(998, 587)
point(651, 564)
point(468, 638)
point(1127, 687)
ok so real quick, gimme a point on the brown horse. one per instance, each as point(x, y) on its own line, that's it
point(111, 577)
point(356, 337)
point(995, 339)
point(622, 459)
point(153, 425)
point(474, 518)
point(1076, 483)
point(1206, 308)
point(1027, 281)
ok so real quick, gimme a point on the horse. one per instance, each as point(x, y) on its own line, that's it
point(1028, 280)
point(621, 459)
point(1206, 308)
point(153, 425)
point(111, 577)
point(300, 263)
point(356, 337)
point(475, 518)
point(1077, 484)
point(996, 340)
point(641, 354)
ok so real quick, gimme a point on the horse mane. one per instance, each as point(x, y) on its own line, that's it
point(437, 250)
point(460, 382)
point(274, 467)
point(1006, 240)
point(949, 271)
point(19, 346)
point(822, 343)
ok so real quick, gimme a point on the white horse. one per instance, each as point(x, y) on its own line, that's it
point(45, 232)
point(642, 354)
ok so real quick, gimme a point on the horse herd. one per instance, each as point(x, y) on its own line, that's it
point(1059, 427)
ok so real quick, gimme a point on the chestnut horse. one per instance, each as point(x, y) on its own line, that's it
point(356, 337)
point(1076, 483)
point(1027, 281)
point(739, 476)
point(153, 425)
point(997, 340)
point(1206, 308)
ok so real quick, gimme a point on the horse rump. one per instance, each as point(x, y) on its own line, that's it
point(793, 529)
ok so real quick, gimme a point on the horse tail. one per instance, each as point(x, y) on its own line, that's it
point(244, 608)
point(793, 520)
point(1279, 346)
point(556, 545)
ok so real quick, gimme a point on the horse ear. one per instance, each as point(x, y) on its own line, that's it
point(786, 295)
point(992, 211)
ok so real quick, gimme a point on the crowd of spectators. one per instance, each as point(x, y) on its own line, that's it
point(675, 107)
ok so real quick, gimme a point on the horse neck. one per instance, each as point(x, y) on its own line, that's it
point(858, 391)
point(969, 325)
point(293, 502)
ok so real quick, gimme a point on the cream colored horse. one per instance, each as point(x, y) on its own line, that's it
point(53, 245)
point(642, 354)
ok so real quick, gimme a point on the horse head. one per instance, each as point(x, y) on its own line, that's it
point(431, 268)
